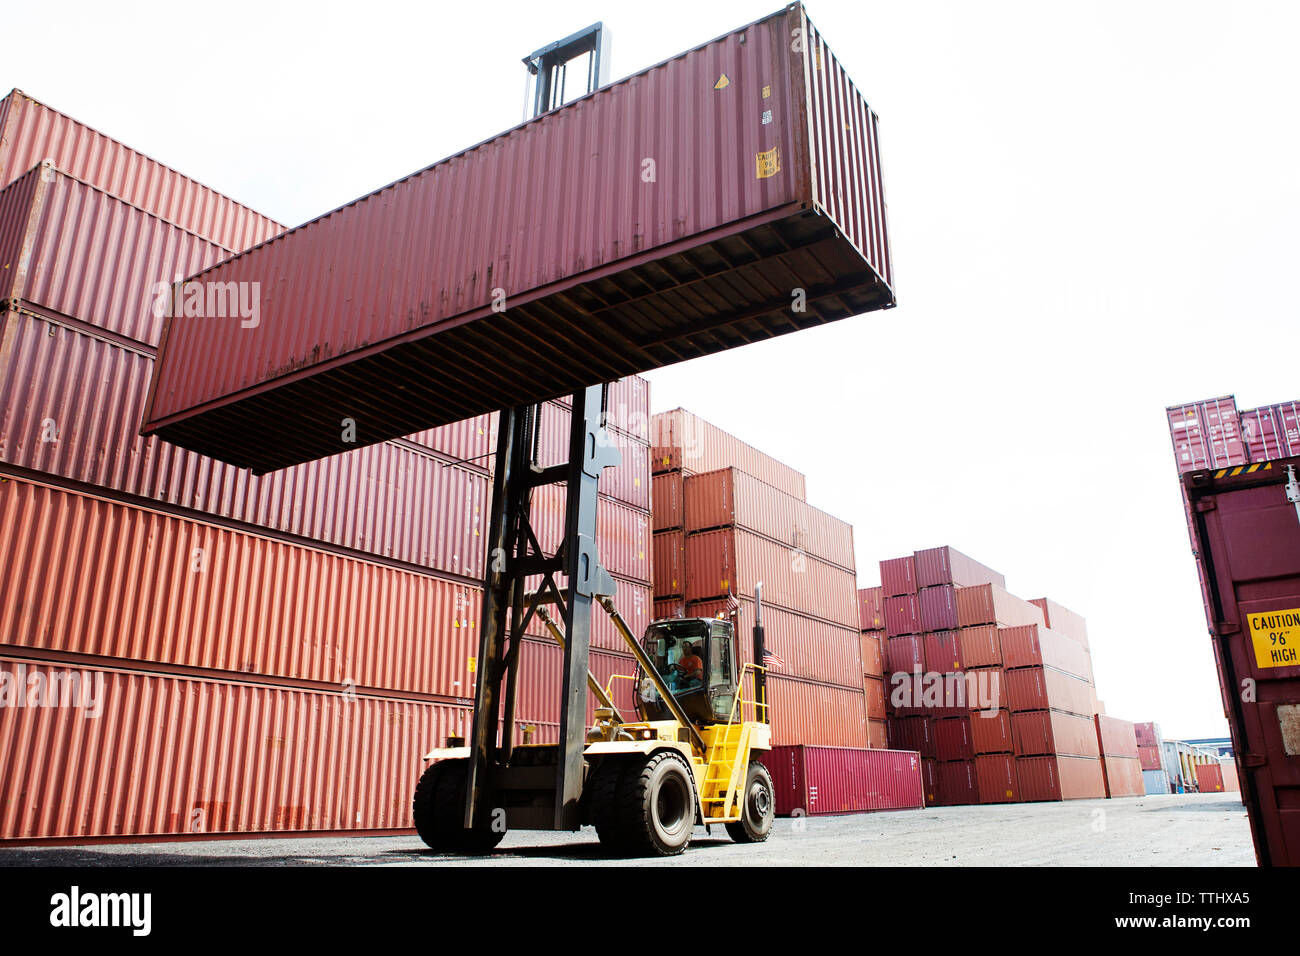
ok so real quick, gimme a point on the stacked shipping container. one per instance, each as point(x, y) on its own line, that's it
point(727, 517)
point(316, 625)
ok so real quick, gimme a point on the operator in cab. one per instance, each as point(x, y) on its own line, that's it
point(692, 666)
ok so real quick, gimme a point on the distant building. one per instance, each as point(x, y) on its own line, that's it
point(1220, 745)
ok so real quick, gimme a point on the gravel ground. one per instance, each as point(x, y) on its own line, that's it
point(1168, 830)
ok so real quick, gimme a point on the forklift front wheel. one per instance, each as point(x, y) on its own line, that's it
point(759, 807)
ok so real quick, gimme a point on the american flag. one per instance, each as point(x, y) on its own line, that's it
point(771, 660)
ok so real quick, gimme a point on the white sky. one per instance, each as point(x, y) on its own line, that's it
point(1093, 209)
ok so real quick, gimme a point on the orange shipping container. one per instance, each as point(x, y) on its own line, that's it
point(668, 508)
point(1042, 732)
point(989, 604)
point(1118, 738)
point(147, 754)
point(873, 654)
point(669, 564)
point(1060, 778)
point(1062, 619)
point(706, 447)
point(875, 690)
point(806, 713)
point(981, 646)
point(871, 609)
point(1034, 645)
point(1123, 776)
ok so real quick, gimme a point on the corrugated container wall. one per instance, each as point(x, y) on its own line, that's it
point(821, 780)
point(31, 132)
point(603, 287)
point(695, 445)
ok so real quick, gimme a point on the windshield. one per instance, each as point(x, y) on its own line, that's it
point(677, 651)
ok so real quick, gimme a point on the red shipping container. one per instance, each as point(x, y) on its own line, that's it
point(627, 482)
point(912, 733)
point(433, 277)
point(669, 564)
point(1060, 778)
point(989, 604)
point(804, 712)
point(947, 565)
point(664, 459)
point(938, 608)
point(873, 654)
point(1228, 767)
point(997, 778)
point(627, 407)
point(735, 561)
point(173, 755)
point(952, 739)
point(1150, 757)
point(956, 783)
point(1246, 536)
point(541, 664)
point(1118, 738)
point(821, 780)
point(31, 132)
point(702, 446)
point(1041, 688)
point(1036, 646)
point(85, 575)
point(1206, 434)
point(1122, 776)
point(943, 652)
point(930, 781)
point(622, 532)
point(635, 602)
point(877, 736)
point(875, 691)
point(669, 607)
point(986, 689)
point(668, 501)
point(871, 609)
point(991, 732)
point(898, 576)
point(729, 497)
point(981, 646)
point(75, 250)
point(1045, 732)
point(389, 500)
point(902, 615)
point(470, 444)
point(1062, 620)
point(904, 655)
point(1148, 734)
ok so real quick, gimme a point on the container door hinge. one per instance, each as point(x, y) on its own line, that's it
point(1293, 489)
point(1253, 760)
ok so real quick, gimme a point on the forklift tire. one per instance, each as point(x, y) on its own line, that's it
point(603, 800)
point(758, 809)
point(439, 807)
point(654, 806)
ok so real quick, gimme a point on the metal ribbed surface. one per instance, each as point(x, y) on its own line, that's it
point(31, 132)
point(991, 732)
point(812, 649)
point(86, 575)
point(981, 646)
point(1063, 620)
point(540, 666)
point(622, 532)
point(1041, 688)
point(697, 446)
point(947, 565)
point(635, 602)
point(1272, 431)
point(388, 500)
point(89, 255)
point(1206, 434)
point(873, 654)
point(938, 608)
point(845, 142)
point(989, 604)
point(730, 496)
point(1117, 737)
point(734, 561)
point(807, 713)
point(1123, 776)
point(628, 481)
point(667, 501)
point(1053, 732)
point(472, 442)
point(871, 609)
point(174, 755)
point(384, 308)
point(818, 780)
point(669, 564)
point(898, 576)
point(1060, 778)
point(1032, 646)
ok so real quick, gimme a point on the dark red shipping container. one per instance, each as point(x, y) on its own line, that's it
point(1206, 434)
point(947, 565)
point(904, 655)
point(991, 732)
point(400, 292)
point(943, 652)
point(31, 132)
point(1150, 757)
point(627, 482)
point(668, 501)
point(1117, 737)
point(1045, 732)
point(912, 733)
point(669, 564)
point(981, 646)
point(998, 781)
point(871, 609)
point(938, 608)
point(1148, 734)
point(930, 781)
point(989, 604)
point(957, 783)
point(902, 615)
point(820, 780)
point(1246, 533)
point(1122, 776)
point(952, 739)
point(1060, 778)
point(898, 576)
point(1272, 431)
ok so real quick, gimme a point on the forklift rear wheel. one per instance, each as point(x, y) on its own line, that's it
point(759, 808)
point(439, 807)
point(654, 806)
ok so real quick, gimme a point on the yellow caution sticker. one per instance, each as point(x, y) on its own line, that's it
point(473, 664)
point(1276, 636)
point(767, 93)
point(722, 83)
point(768, 163)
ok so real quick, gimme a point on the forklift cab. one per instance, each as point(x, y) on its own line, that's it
point(696, 658)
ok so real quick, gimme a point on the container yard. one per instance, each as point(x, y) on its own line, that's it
point(629, 483)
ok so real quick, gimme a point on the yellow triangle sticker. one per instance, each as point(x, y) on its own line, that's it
point(722, 83)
